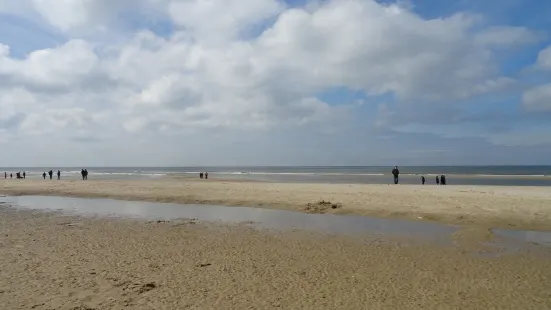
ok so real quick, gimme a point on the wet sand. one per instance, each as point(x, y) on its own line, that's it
point(60, 262)
point(485, 206)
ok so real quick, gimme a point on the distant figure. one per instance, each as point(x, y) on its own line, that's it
point(24, 175)
point(59, 175)
point(86, 174)
point(423, 180)
point(437, 180)
point(82, 173)
point(5, 175)
point(11, 175)
point(443, 180)
point(395, 173)
point(51, 174)
point(18, 175)
point(206, 175)
point(200, 175)
point(44, 175)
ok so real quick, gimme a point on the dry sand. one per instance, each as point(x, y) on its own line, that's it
point(485, 206)
point(54, 262)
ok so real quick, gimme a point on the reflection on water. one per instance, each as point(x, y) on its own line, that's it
point(538, 237)
point(262, 218)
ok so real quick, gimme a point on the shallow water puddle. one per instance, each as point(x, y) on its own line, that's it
point(536, 237)
point(263, 218)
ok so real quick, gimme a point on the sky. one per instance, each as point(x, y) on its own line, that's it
point(271, 82)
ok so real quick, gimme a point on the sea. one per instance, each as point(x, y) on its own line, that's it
point(455, 175)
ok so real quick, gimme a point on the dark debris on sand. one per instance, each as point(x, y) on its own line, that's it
point(322, 206)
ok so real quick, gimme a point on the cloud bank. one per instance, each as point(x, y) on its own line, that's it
point(186, 82)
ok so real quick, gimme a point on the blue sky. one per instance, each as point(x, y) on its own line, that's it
point(24, 36)
point(350, 82)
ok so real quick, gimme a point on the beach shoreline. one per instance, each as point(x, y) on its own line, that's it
point(527, 208)
point(455, 175)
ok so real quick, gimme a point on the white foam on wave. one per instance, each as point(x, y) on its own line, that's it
point(117, 173)
point(285, 173)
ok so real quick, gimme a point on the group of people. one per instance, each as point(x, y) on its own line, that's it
point(84, 174)
point(50, 173)
point(440, 180)
point(18, 175)
point(205, 175)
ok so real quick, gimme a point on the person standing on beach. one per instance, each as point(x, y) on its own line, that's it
point(395, 173)
point(200, 175)
point(437, 180)
point(24, 175)
point(51, 174)
point(86, 174)
point(423, 180)
point(5, 175)
point(44, 175)
point(206, 175)
point(11, 175)
point(59, 175)
point(443, 179)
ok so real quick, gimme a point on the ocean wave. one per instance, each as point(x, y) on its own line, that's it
point(509, 175)
point(118, 173)
point(283, 173)
point(419, 174)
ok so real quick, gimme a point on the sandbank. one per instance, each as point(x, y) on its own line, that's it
point(485, 206)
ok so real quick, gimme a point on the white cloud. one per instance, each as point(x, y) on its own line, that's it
point(83, 17)
point(507, 36)
point(63, 66)
point(226, 18)
point(220, 70)
point(544, 59)
point(13, 103)
point(66, 14)
point(538, 98)
point(522, 138)
point(4, 50)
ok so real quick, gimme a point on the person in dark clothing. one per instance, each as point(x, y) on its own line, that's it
point(51, 174)
point(423, 180)
point(44, 175)
point(18, 175)
point(437, 180)
point(200, 175)
point(443, 180)
point(59, 175)
point(82, 173)
point(11, 175)
point(395, 173)
point(5, 175)
point(86, 174)
point(206, 175)
point(24, 175)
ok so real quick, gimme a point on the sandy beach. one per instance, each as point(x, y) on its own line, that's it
point(484, 206)
point(60, 262)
